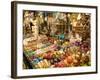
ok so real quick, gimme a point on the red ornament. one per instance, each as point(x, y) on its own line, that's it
point(69, 59)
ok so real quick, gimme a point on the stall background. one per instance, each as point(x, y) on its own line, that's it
point(5, 40)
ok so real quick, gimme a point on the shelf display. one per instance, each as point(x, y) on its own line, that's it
point(54, 39)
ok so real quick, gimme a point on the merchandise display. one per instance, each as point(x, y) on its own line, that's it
point(56, 39)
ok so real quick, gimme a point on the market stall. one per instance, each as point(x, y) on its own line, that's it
point(56, 42)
